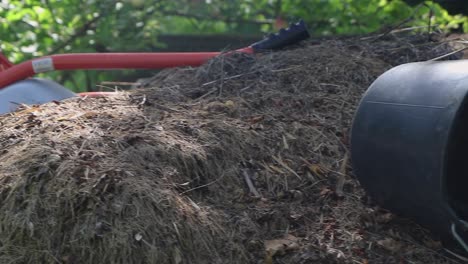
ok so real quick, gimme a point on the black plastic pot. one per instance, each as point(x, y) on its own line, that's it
point(409, 145)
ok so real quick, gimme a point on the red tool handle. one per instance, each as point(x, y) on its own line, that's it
point(88, 61)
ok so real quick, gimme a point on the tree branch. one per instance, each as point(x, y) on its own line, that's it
point(224, 19)
point(80, 32)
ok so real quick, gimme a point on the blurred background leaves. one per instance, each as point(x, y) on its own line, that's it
point(32, 28)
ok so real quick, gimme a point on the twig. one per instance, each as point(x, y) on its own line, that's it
point(217, 18)
point(229, 78)
point(424, 45)
point(80, 32)
point(204, 185)
point(246, 88)
point(208, 93)
point(456, 255)
point(121, 83)
point(397, 31)
point(408, 19)
point(220, 89)
point(107, 87)
point(249, 73)
point(342, 178)
point(165, 108)
point(250, 184)
point(287, 69)
point(448, 54)
point(315, 183)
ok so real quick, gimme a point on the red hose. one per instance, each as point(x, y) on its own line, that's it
point(87, 61)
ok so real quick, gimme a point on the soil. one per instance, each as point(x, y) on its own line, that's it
point(242, 160)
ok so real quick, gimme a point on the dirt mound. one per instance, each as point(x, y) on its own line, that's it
point(242, 160)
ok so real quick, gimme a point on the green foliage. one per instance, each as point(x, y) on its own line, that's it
point(31, 28)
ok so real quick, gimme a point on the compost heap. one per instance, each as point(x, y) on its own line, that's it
point(242, 160)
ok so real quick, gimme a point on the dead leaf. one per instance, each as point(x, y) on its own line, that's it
point(384, 218)
point(285, 166)
point(289, 136)
point(336, 252)
point(66, 259)
point(432, 244)
point(281, 246)
point(316, 169)
point(229, 104)
point(278, 102)
point(138, 237)
point(90, 115)
point(29, 109)
point(326, 191)
point(390, 244)
point(268, 258)
point(256, 119)
point(276, 169)
point(216, 107)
